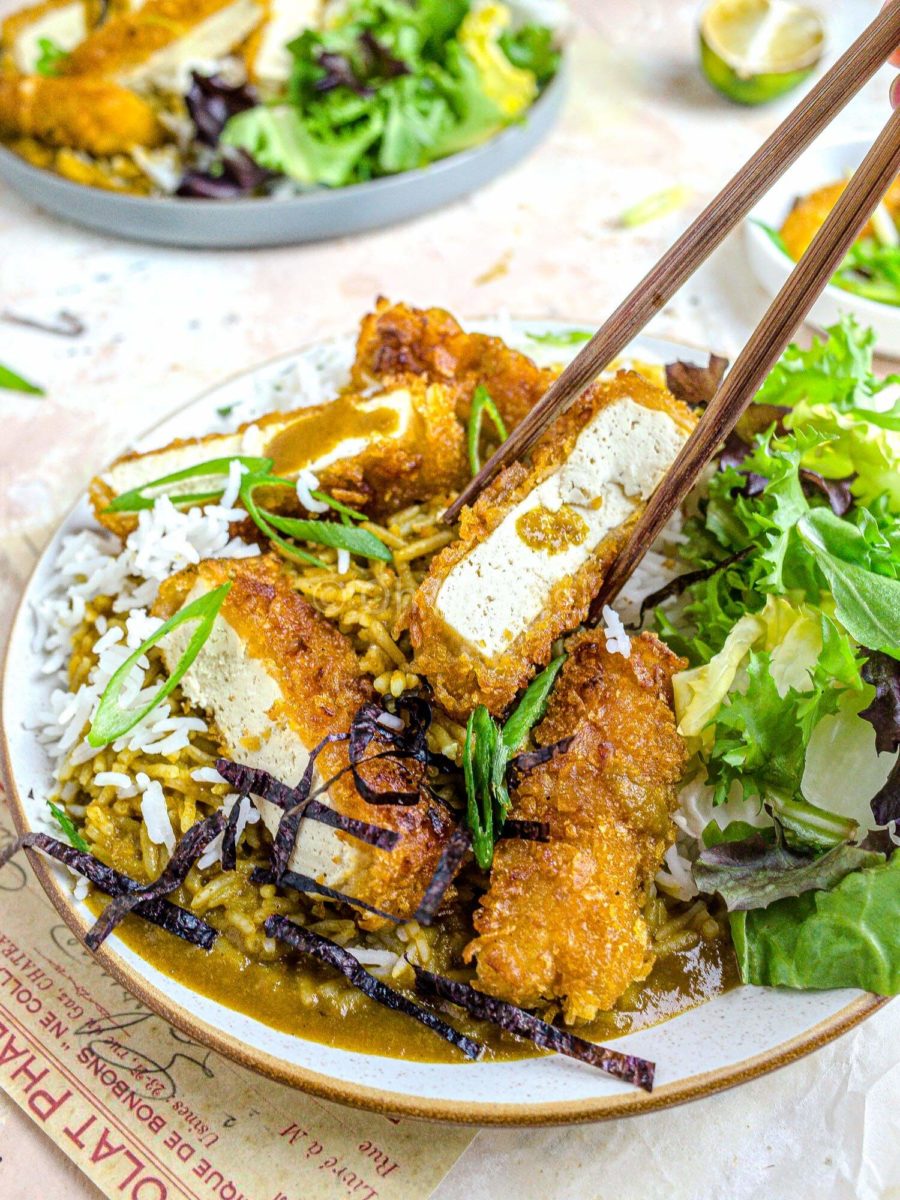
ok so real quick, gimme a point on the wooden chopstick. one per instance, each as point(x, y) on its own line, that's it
point(733, 203)
point(767, 343)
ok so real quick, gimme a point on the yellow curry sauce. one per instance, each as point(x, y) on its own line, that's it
point(313, 435)
point(553, 532)
point(270, 992)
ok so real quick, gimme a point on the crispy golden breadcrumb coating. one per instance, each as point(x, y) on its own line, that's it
point(397, 340)
point(94, 115)
point(128, 39)
point(318, 675)
point(562, 921)
point(461, 675)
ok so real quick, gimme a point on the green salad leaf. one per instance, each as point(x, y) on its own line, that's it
point(391, 86)
point(50, 59)
point(845, 937)
point(871, 270)
point(761, 870)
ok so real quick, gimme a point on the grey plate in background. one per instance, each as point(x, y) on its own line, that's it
point(224, 224)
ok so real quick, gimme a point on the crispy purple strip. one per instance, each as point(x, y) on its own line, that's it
point(170, 917)
point(523, 763)
point(526, 831)
point(185, 854)
point(253, 779)
point(229, 836)
point(523, 1024)
point(455, 851)
point(329, 952)
point(309, 886)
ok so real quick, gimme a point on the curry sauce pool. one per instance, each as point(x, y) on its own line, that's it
point(304, 1001)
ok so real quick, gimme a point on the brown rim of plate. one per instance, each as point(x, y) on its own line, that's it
point(601, 1108)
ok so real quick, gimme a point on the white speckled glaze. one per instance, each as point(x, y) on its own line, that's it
point(731, 1038)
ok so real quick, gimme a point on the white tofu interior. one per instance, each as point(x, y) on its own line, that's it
point(287, 20)
point(65, 27)
point(503, 585)
point(237, 689)
point(200, 48)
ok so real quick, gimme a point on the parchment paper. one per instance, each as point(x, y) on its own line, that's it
point(147, 1114)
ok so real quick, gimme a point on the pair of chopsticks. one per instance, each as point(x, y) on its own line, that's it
point(788, 310)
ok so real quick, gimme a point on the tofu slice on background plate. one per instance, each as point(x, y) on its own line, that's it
point(534, 550)
point(158, 46)
point(269, 61)
point(379, 452)
point(277, 678)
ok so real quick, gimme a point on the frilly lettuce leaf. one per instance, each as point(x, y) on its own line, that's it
point(847, 937)
point(511, 88)
point(856, 442)
point(836, 370)
point(279, 139)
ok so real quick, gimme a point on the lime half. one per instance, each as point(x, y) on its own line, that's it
point(756, 50)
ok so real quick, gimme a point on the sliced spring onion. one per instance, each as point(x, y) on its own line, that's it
point(531, 707)
point(328, 533)
point(50, 58)
point(137, 499)
point(12, 382)
point(343, 509)
point(486, 756)
point(568, 337)
point(481, 404)
point(67, 825)
point(111, 721)
point(660, 204)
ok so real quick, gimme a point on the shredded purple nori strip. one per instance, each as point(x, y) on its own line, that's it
point(523, 763)
point(261, 783)
point(342, 960)
point(229, 835)
point(526, 831)
point(170, 917)
point(458, 846)
point(309, 886)
point(185, 854)
point(680, 584)
point(526, 1025)
point(409, 743)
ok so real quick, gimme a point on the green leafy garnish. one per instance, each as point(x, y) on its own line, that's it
point(215, 469)
point(482, 404)
point(12, 382)
point(327, 533)
point(391, 87)
point(488, 751)
point(225, 410)
point(111, 721)
point(862, 573)
point(567, 337)
point(50, 59)
point(67, 825)
point(774, 236)
point(848, 936)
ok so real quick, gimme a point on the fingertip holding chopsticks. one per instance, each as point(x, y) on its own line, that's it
point(788, 310)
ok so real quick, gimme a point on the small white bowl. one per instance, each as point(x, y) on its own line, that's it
point(771, 266)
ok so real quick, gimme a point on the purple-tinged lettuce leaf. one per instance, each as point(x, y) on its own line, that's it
point(693, 384)
point(756, 872)
point(212, 102)
point(883, 714)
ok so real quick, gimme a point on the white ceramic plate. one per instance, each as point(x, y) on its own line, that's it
point(732, 1038)
point(324, 213)
point(819, 166)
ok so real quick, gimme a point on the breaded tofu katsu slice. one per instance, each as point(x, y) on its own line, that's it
point(65, 23)
point(95, 115)
point(157, 46)
point(277, 678)
point(563, 921)
point(534, 550)
point(377, 452)
point(397, 341)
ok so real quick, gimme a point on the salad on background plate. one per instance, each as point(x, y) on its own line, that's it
point(220, 99)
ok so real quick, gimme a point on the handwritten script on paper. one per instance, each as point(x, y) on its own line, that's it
point(149, 1114)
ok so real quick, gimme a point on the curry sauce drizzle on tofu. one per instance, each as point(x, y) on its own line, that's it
point(563, 920)
point(278, 678)
point(533, 551)
point(378, 452)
